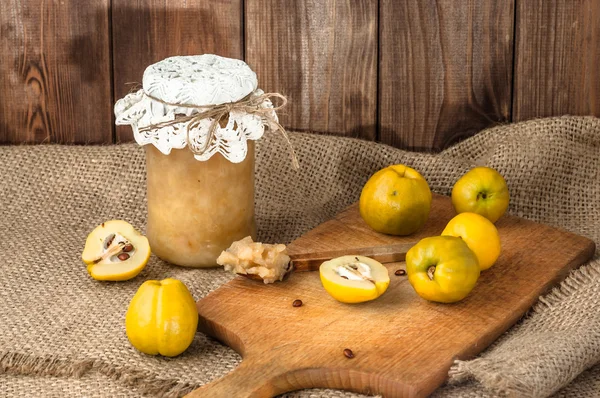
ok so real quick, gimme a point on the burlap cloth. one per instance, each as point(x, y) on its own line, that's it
point(62, 333)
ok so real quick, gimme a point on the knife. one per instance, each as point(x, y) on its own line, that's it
point(384, 254)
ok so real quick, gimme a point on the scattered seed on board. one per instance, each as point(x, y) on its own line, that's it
point(123, 256)
point(348, 353)
point(297, 303)
point(400, 272)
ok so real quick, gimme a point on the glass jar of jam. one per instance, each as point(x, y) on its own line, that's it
point(200, 170)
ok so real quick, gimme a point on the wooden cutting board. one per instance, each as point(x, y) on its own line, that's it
point(403, 345)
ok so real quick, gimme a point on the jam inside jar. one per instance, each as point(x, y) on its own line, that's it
point(197, 209)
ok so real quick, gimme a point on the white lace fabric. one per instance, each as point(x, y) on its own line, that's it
point(208, 80)
point(139, 111)
point(199, 80)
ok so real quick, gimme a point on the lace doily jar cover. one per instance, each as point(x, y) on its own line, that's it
point(200, 194)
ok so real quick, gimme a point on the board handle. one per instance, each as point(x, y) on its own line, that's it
point(248, 380)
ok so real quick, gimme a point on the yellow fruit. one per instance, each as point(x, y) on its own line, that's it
point(442, 269)
point(115, 251)
point(162, 318)
point(396, 200)
point(483, 191)
point(479, 233)
point(354, 279)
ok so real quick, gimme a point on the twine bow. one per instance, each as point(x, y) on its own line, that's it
point(249, 104)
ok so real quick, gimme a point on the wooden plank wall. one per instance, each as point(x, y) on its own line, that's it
point(557, 58)
point(55, 72)
point(322, 54)
point(416, 74)
point(445, 71)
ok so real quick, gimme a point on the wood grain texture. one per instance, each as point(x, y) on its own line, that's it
point(147, 31)
point(400, 341)
point(557, 56)
point(55, 72)
point(445, 70)
point(323, 56)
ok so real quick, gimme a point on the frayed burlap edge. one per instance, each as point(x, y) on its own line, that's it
point(146, 383)
point(491, 374)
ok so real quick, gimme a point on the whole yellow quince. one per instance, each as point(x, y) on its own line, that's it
point(442, 269)
point(396, 200)
point(479, 233)
point(483, 191)
point(162, 318)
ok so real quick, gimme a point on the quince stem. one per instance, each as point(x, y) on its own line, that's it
point(431, 272)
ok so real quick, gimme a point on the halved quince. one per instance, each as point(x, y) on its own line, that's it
point(354, 279)
point(115, 251)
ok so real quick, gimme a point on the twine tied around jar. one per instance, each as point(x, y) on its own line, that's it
point(249, 104)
